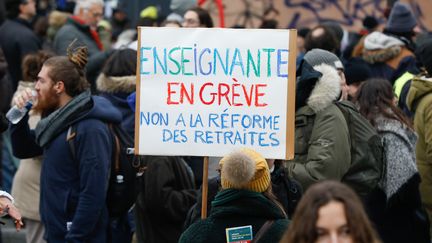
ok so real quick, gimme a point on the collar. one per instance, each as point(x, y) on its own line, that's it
point(23, 22)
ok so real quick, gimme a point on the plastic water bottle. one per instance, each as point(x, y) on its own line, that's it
point(15, 114)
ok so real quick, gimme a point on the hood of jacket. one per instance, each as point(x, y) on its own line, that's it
point(317, 86)
point(420, 86)
point(326, 90)
point(111, 84)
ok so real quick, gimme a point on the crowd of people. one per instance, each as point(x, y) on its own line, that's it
point(376, 81)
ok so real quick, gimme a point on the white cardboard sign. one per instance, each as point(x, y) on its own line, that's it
point(206, 92)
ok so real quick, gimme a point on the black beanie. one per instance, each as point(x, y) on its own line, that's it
point(370, 22)
point(356, 71)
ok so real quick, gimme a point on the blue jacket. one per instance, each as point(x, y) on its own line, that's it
point(73, 192)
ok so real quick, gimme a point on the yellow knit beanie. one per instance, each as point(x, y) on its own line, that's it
point(245, 169)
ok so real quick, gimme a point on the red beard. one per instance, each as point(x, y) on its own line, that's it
point(47, 104)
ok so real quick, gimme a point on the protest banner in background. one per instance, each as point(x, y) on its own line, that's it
point(205, 92)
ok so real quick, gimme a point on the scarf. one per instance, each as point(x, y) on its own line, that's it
point(52, 125)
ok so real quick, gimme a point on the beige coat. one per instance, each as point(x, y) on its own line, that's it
point(26, 183)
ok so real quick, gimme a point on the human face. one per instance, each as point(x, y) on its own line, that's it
point(332, 226)
point(28, 9)
point(352, 89)
point(93, 15)
point(344, 86)
point(48, 99)
point(191, 19)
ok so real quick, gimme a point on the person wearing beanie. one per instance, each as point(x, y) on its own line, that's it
point(356, 72)
point(317, 57)
point(245, 199)
point(402, 24)
point(321, 133)
point(387, 56)
point(419, 101)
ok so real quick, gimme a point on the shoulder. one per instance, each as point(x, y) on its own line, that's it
point(332, 114)
point(395, 132)
point(66, 31)
point(91, 126)
point(197, 232)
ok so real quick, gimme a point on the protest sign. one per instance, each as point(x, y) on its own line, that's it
point(208, 91)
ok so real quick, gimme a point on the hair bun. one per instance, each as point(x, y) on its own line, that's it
point(77, 55)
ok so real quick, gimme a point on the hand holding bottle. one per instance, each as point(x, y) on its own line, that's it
point(25, 96)
point(23, 103)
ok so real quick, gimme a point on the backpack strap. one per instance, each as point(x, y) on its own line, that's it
point(70, 136)
point(266, 226)
point(293, 189)
point(116, 149)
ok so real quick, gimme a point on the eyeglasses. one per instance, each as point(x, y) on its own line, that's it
point(96, 14)
point(191, 21)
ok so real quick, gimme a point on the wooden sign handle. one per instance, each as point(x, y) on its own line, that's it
point(204, 188)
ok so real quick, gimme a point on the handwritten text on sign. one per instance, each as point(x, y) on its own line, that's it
point(207, 91)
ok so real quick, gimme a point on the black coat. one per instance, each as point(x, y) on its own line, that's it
point(401, 218)
point(166, 194)
point(17, 40)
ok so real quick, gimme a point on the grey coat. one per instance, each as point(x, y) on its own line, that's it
point(74, 30)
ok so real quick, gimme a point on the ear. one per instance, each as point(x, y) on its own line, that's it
point(21, 8)
point(59, 87)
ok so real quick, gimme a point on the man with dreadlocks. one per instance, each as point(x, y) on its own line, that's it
point(73, 188)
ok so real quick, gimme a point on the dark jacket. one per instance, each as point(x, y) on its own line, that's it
point(234, 208)
point(6, 89)
point(17, 40)
point(167, 193)
point(73, 192)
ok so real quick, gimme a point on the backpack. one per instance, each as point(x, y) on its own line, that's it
point(366, 148)
point(367, 151)
point(285, 186)
point(125, 170)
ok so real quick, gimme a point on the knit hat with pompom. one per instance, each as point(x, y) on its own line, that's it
point(245, 169)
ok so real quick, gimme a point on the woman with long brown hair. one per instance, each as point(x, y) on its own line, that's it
point(398, 212)
point(330, 211)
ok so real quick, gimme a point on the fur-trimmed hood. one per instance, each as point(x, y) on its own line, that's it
point(111, 84)
point(327, 89)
